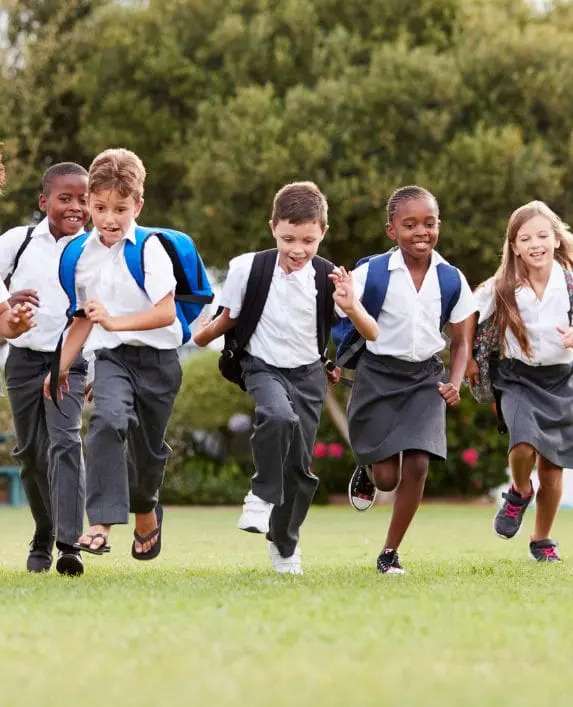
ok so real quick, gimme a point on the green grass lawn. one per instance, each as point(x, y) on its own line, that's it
point(472, 623)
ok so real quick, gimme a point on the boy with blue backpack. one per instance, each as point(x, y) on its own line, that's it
point(396, 413)
point(133, 293)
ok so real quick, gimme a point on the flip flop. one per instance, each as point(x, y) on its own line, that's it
point(152, 553)
point(85, 547)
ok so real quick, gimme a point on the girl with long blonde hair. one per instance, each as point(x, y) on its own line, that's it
point(531, 298)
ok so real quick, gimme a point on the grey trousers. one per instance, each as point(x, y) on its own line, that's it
point(134, 392)
point(288, 403)
point(48, 445)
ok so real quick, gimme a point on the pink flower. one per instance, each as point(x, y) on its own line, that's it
point(470, 457)
point(335, 450)
point(320, 450)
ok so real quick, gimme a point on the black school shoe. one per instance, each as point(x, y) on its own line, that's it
point(544, 551)
point(388, 562)
point(70, 561)
point(508, 519)
point(40, 554)
point(361, 491)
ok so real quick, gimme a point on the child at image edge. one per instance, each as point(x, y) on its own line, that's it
point(531, 296)
point(283, 370)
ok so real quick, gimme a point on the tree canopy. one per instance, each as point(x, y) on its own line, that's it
point(226, 100)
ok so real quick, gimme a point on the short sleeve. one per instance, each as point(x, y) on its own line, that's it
point(159, 277)
point(359, 282)
point(485, 298)
point(466, 304)
point(10, 243)
point(235, 285)
point(4, 294)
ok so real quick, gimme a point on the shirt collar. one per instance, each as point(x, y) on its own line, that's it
point(43, 229)
point(396, 261)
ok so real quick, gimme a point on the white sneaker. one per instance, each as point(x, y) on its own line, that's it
point(255, 515)
point(285, 565)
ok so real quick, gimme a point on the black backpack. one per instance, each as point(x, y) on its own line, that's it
point(256, 294)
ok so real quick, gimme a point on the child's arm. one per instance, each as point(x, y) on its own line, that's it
point(459, 352)
point(160, 315)
point(472, 370)
point(77, 336)
point(345, 297)
point(16, 320)
point(208, 331)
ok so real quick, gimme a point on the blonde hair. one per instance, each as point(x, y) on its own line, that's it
point(120, 170)
point(512, 273)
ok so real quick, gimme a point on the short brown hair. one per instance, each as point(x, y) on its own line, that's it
point(118, 169)
point(300, 202)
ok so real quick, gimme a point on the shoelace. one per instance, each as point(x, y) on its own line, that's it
point(550, 552)
point(512, 511)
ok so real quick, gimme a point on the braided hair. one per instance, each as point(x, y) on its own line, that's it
point(413, 191)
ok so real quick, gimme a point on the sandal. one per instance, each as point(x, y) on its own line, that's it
point(152, 553)
point(87, 547)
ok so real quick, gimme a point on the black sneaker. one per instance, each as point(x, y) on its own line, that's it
point(40, 554)
point(70, 562)
point(388, 562)
point(508, 519)
point(361, 491)
point(544, 551)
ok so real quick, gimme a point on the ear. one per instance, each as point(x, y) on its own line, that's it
point(390, 232)
point(42, 201)
point(272, 229)
point(138, 207)
point(514, 250)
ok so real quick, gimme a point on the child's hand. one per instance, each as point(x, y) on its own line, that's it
point(200, 337)
point(472, 372)
point(344, 289)
point(449, 393)
point(63, 385)
point(23, 297)
point(98, 314)
point(89, 392)
point(333, 375)
point(566, 336)
point(20, 319)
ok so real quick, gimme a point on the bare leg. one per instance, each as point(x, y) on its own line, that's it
point(548, 497)
point(408, 496)
point(521, 461)
point(385, 475)
point(89, 539)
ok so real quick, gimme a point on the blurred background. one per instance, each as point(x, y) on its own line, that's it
point(227, 100)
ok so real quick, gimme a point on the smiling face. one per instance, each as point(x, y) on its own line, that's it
point(297, 243)
point(535, 243)
point(112, 214)
point(66, 204)
point(415, 227)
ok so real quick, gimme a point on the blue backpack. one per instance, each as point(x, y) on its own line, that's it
point(192, 291)
point(349, 343)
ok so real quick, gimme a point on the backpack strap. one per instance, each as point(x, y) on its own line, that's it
point(450, 289)
point(256, 294)
point(19, 253)
point(324, 302)
point(569, 281)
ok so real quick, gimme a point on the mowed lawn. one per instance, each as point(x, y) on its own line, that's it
point(474, 622)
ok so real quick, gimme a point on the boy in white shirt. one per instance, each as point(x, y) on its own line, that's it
point(48, 443)
point(135, 335)
point(283, 371)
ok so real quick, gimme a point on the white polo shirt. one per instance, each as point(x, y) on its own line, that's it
point(102, 275)
point(37, 270)
point(541, 319)
point(286, 333)
point(409, 321)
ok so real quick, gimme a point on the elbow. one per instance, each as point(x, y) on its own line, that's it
point(373, 333)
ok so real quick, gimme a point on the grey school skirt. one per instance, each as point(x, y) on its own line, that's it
point(396, 406)
point(537, 406)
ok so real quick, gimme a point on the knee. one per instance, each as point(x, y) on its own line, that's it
point(416, 465)
point(108, 421)
point(385, 477)
point(522, 452)
point(277, 417)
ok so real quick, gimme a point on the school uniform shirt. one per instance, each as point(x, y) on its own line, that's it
point(37, 270)
point(541, 317)
point(285, 336)
point(102, 275)
point(409, 321)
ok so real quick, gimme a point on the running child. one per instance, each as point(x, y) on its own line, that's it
point(135, 334)
point(531, 297)
point(283, 371)
point(48, 443)
point(396, 415)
